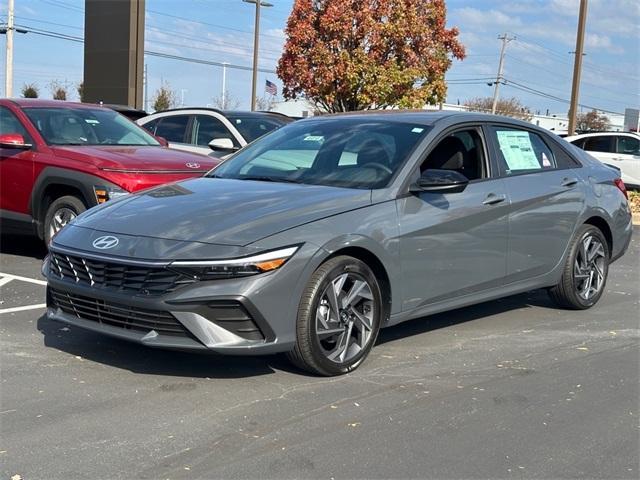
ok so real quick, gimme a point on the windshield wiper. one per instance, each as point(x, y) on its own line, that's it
point(264, 178)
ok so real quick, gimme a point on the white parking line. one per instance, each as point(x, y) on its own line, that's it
point(5, 280)
point(20, 309)
point(10, 277)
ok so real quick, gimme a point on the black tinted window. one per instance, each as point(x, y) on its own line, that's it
point(254, 126)
point(628, 145)
point(151, 126)
point(206, 128)
point(173, 128)
point(598, 144)
point(9, 123)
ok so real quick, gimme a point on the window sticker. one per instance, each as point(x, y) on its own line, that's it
point(545, 161)
point(417, 130)
point(517, 150)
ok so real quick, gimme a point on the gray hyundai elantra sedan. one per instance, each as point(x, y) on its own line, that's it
point(314, 237)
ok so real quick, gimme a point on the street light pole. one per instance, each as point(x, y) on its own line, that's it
point(224, 85)
point(256, 42)
point(577, 67)
point(8, 85)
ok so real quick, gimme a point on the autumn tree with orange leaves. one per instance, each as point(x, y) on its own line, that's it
point(346, 55)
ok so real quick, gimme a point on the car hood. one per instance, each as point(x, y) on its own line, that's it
point(221, 211)
point(133, 159)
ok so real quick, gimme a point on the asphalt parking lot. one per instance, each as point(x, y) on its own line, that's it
point(508, 389)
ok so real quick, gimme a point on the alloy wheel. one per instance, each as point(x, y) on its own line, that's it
point(589, 267)
point(344, 317)
point(60, 218)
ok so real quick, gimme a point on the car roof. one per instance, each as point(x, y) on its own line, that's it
point(423, 117)
point(598, 134)
point(223, 112)
point(38, 102)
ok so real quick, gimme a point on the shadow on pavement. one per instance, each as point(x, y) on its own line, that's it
point(140, 359)
point(22, 245)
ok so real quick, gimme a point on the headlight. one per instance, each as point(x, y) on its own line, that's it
point(235, 267)
point(108, 193)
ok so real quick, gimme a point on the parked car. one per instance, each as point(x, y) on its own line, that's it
point(59, 158)
point(130, 112)
point(619, 149)
point(311, 239)
point(203, 130)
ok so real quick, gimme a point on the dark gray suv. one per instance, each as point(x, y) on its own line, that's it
point(314, 237)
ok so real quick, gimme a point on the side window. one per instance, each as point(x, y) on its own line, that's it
point(461, 151)
point(173, 128)
point(578, 143)
point(598, 144)
point(151, 126)
point(9, 123)
point(628, 145)
point(522, 151)
point(206, 128)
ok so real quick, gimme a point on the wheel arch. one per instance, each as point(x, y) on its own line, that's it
point(378, 268)
point(602, 225)
point(55, 182)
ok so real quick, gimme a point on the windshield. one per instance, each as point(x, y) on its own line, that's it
point(87, 126)
point(252, 127)
point(339, 152)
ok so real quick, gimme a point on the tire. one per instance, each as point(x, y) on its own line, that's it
point(60, 212)
point(583, 281)
point(321, 352)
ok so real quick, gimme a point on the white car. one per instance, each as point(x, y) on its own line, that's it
point(211, 131)
point(619, 149)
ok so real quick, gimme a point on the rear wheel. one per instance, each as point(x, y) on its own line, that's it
point(585, 271)
point(338, 317)
point(61, 211)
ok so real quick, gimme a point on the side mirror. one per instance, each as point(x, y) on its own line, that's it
point(162, 141)
point(13, 140)
point(222, 144)
point(440, 181)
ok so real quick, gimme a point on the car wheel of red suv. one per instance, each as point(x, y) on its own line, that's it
point(61, 211)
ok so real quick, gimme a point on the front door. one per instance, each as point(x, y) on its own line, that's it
point(454, 244)
point(16, 167)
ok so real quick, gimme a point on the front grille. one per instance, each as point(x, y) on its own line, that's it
point(117, 315)
point(117, 276)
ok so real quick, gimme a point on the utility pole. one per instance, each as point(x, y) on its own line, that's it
point(224, 85)
point(505, 40)
point(577, 67)
point(256, 42)
point(8, 85)
point(146, 89)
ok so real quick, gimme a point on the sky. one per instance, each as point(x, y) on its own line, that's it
point(538, 63)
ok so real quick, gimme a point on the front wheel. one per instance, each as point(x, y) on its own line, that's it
point(585, 271)
point(61, 211)
point(338, 318)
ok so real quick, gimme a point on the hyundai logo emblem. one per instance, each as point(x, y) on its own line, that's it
point(192, 165)
point(105, 242)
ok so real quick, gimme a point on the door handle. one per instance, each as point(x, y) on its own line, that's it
point(569, 182)
point(493, 199)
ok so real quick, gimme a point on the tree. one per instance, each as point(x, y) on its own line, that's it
point(164, 99)
point(228, 102)
point(265, 104)
point(58, 90)
point(80, 90)
point(510, 107)
point(30, 90)
point(592, 122)
point(361, 54)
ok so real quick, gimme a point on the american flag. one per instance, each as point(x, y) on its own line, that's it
point(270, 88)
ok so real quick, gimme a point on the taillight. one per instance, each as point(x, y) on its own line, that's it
point(620, 184)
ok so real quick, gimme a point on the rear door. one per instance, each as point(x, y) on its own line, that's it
point(627, 158)
point(454, 244)
point(547, 196)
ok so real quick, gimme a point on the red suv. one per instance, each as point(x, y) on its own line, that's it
point(59, 158)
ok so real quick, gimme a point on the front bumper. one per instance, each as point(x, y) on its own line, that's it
point(222, 316)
